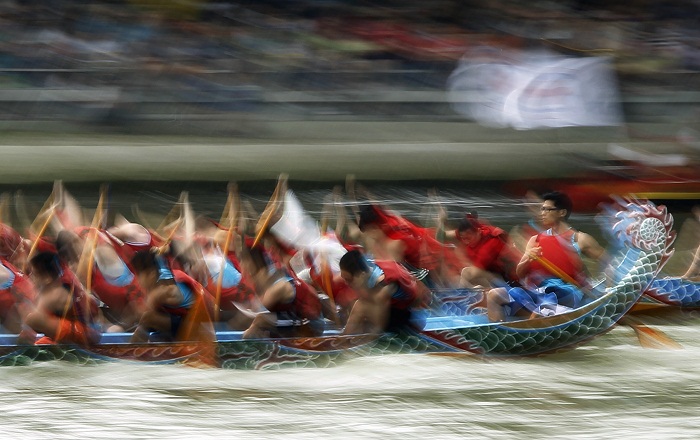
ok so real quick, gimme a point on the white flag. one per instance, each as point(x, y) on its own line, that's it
point(528, 91)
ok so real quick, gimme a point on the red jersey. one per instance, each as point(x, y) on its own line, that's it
point(422, 249)
point(116, 297)
point(493, 253)
point(19, 289)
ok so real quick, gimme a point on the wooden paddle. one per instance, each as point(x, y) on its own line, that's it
point(175, 226)
point(49, 209)
point(174, 222)
point(647, 336)
point(85, 265)
point(140, 217)
point(326, 273)
point(173, 215)
point(51, 203)
point(231, 210)
point(197, 327)
point(86, 262)
point(345, 229)
point(272, 208)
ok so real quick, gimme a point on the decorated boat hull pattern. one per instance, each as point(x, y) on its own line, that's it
point(675, 291)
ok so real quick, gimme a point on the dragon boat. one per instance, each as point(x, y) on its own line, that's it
point(668, 295)
point(457, 325)
point(675, 291)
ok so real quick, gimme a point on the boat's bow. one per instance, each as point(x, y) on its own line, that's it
point(643, 237)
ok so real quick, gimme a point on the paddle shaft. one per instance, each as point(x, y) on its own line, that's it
point(270, 209)
point(40, 234)
point(227, 244)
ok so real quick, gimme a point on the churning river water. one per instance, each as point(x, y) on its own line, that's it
point(608, 388)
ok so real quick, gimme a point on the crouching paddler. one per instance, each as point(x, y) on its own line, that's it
point(171, 295)
point(65, 312)
point(390, 298)
point(286, 298)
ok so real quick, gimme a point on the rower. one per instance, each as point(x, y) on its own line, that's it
point(17, 291)
point(389, 297)
point(111, 279)
point(293, 307)
point(491, 256)
point(227, 285)
point(170, 294)
point(337, 297)
point(65, 312)
point(391, 237)
point(551, 269)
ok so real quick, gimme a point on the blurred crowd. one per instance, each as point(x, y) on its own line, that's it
point(119, 58)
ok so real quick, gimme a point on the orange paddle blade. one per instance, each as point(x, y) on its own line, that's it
point(271, 210)
point(650, 337)
point(197, 327)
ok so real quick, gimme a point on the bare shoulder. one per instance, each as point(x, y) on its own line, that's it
point(385, 293)
point(589, 246)
point(279, 292)
point(166, 291)
point(586, 239)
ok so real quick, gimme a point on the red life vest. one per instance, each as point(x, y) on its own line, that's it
point(117, 298)
point(491, 253)
point(411, 293)
point(306, 303)
point(420, 247)
point(22, 289)
point(85, 306)
point(342, 294)
point(558, 250)
point(198, 292)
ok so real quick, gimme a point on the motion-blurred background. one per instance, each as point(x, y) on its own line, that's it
point(482, 89)
point(237, 67)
